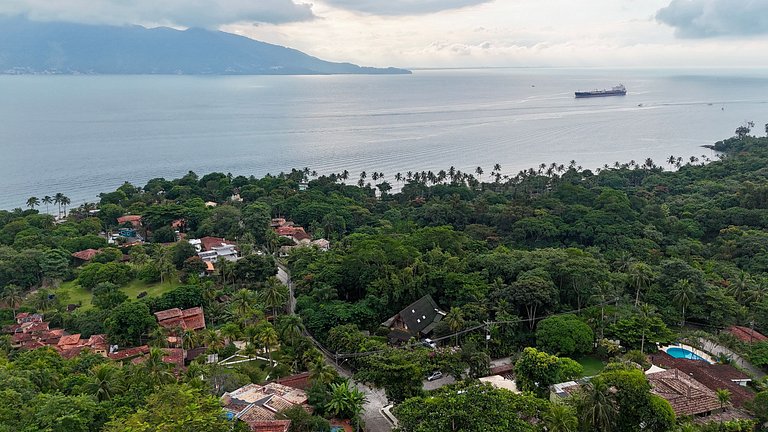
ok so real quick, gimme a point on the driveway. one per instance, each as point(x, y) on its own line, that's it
point(436, 384)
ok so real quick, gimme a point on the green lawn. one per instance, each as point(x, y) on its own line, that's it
point(592, 366)
point(77, 294)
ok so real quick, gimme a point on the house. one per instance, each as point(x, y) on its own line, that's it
point(26, 317)
point(129, 353)
point(208, 243)
point(257, 405)
point(417, 320)
point(174, 356)
point(295, 233)
point(322, 244)
point(687, 396)
point(562, 390)
point(277, 222)
point(224, 252)
point(210, 204)
point(86, 255)
point(134, 220)
point(746, 334)
point(713, 376)
point(298, 381)
point(187, 319)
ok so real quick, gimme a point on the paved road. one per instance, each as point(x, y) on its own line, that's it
point(376, 400)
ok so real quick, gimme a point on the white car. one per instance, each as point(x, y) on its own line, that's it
point(436, 375)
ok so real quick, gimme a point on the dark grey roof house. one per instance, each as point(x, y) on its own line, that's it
point(417, 320)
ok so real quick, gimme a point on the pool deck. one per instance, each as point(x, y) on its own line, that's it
point(707, 357)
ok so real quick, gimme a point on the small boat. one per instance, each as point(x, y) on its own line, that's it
point(618, 90)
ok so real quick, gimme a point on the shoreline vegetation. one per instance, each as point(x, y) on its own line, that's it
point(557, 273)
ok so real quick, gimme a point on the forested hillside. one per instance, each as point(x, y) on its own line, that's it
point(572, 261)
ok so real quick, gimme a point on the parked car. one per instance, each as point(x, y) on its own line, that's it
point(429, 343)
point(436, 375)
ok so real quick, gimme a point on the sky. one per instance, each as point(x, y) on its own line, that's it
point(460, 33)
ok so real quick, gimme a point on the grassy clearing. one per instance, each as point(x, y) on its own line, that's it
point(592, 366)
point(77, 294)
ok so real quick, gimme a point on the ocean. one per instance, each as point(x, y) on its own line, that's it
point(82, 135)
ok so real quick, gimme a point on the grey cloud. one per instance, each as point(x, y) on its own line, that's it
point(712, 18)
point(403, 7)
point(187, 13)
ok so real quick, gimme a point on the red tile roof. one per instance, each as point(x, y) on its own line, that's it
point(72, 352)
point(174, 356)
point(86, 255)
point(129, 352)
point(34, 327)
point(168, 314)
point(208, 243)
point(69, 340)
point(746, 334)
point(270, 426)
point(97, 342)
point(192, 318)
point(298, 381)
point(713, 376)
point(687, 396)
point(129, 218)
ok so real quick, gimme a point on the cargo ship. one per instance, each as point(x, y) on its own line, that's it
point(619, 90)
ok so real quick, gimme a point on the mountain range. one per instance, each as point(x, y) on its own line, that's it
point(30, 47)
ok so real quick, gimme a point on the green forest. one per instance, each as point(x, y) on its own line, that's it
point(565, 271)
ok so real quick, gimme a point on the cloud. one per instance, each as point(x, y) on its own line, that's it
point(713, 18)
point(403, 7)
point(182, 13)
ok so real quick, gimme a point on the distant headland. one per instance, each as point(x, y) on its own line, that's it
point(30, 47)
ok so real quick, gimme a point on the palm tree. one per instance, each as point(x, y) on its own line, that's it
point(455, 321)
point(104, 382)
point(724, 397)
point(57, 200)
point(250, 334)
point(640, 275)
point(65, 201)
point(740, 286)
point(155, 369)
point(242, 303)
point(346, 401)
point(213, 340)
point(12, 298)
point(596, 407)
point(560, 418)
point(165, 265)
point(230, 331)
point(321, 372)
point(645, 313)
point(42, 300)
point(682, 294)
point(47, 200)
point(268, 338)
point(290, 327)
point(274, 294)
point(159, 337)
point(33, 202)
point(189, 339)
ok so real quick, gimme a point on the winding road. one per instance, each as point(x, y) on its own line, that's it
point(374, 420)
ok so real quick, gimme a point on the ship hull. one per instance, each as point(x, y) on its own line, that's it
point(600, 94)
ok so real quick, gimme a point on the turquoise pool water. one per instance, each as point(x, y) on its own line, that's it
point(684, 354)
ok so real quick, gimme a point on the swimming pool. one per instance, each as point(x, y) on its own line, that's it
point(683, 353)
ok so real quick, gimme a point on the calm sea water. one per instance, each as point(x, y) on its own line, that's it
point(81, 135)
